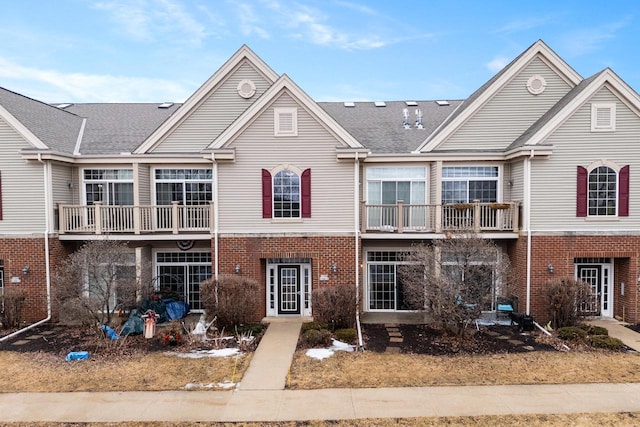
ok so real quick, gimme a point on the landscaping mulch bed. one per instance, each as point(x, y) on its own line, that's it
point(423, 339)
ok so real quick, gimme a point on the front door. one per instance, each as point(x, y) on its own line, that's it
point(598, 276)
point(289, 289)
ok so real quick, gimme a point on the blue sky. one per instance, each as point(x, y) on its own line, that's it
point(335, 50)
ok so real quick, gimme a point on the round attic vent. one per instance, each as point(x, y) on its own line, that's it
point(246, 88)
point(536, 84)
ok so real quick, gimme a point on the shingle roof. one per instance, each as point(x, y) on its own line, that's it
point(380, 129)
point(117, 128)
point(56, 128)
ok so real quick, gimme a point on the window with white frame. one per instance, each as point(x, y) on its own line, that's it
point(285, 121)
point(385, 290)
point(603, 191)
point(112, 187)
point(603, 117)
point(186, 186)
point(286, 194)
point(476, 275)
point(110, 283)
point(179, 274)
point(387, 186)
point(465, 184)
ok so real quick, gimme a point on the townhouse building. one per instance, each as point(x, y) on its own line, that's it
point(251, 176)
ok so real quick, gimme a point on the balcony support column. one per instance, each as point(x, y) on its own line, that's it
point(97, 218)
point(175, 216)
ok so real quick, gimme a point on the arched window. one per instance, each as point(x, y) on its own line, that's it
point(286, 194)
point(603, 191)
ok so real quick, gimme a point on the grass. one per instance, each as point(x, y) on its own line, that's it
point(368, 369)
point(41, 372)
point(575, 420)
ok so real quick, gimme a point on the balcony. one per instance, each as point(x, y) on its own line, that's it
point(477, 217)
point(167, 219)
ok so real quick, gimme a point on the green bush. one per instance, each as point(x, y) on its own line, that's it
point(348, 335)
point(315, 338)
point(595, 330)
point(307, 326)
point(571, 333)
point(606, 342)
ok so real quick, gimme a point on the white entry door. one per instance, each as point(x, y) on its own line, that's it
point(599, 277)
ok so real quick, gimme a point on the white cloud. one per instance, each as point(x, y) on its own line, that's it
point(54, 86)
point(249, 23)
point(145, 21)
point(521, 25)
point(497, 63)
point(587, 40)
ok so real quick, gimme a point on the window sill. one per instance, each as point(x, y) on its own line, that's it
point(287, 220)
point(602, 218)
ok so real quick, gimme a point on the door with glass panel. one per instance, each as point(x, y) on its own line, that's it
point(598, 276)
point(179, 275)
point(289, 289)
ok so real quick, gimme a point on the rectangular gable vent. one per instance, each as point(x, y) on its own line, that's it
point(350, 104)
point(165, 105)
point(380, 104)
point(411, 103)
point(442, 103)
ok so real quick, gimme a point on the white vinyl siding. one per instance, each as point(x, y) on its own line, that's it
point(22, 186)
point(554, 179)
point(510, 112)
point(144, 185)
point(214, 115)
point(62, 183)
point(332, 189)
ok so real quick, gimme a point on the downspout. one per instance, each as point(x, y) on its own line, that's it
point(215, 216)
point(46, 254)
point(528, 225)
point(356, 216)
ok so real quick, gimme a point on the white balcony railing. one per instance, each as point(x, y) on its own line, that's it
point(104, 219)
point(473, 216)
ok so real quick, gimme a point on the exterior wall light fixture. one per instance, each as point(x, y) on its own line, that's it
point(334, 267)
point(550, 268)
point(237, 269)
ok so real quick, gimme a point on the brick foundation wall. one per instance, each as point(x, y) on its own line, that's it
point(252, 252)
point(560, 251)
point(18, 252)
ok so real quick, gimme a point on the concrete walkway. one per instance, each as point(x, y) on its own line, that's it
point(270, 363)
point(261, 396)
point(618, 330)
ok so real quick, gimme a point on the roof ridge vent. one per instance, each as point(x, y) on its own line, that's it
point(380, 104)
point(165, 105)
point(349, 104)
point(442, 103)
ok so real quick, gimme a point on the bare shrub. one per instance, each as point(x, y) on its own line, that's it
point(11, 309)
point(335, 306)
point(455, 279)
point(569, 301)
point(96, 281)
point(233, 299)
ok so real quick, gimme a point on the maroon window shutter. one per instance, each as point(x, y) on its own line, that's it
point(0, 196)
point(581, 200)
point(623, 191)
point(305, 187)
point(266, 194)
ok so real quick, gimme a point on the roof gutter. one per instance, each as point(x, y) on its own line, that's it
point(528, 225)
point(356, 222)
point(47, 204)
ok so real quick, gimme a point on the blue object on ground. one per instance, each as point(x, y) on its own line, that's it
point(111, 333)
point(77, 355)
point(134, 325)
point(176, 309)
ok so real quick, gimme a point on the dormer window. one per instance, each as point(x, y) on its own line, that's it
point(603, 117)
point(286, 122)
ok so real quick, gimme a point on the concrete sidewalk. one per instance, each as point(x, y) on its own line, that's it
point(325, 404)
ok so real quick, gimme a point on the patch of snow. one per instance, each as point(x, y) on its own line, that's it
point(198, 354)
point(323, 353)
point(196, 386)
